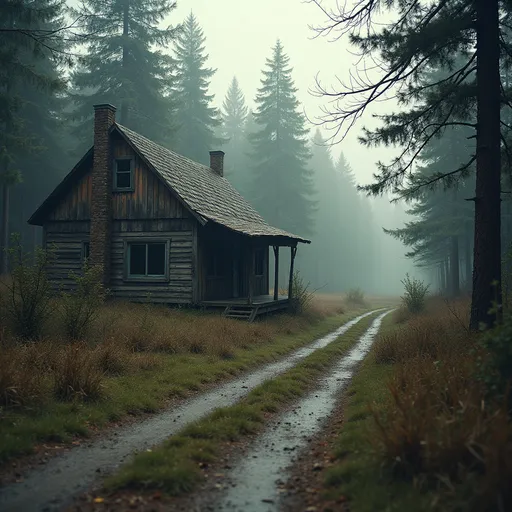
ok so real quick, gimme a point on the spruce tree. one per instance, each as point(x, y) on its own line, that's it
point(419, 37)
point(282, 188)
point(123, 67)
point(197, 119)
point(234, 116)
point(30, 80)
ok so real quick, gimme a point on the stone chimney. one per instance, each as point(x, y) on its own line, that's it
point(217, 162)
point(101, 202)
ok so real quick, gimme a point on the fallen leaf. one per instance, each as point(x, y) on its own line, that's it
point(98, 500)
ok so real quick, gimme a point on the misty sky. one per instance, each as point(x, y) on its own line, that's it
point(239, 37)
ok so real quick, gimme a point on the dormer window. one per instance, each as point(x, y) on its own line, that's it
point(123, 174)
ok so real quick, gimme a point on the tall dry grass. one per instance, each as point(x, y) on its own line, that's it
point(440, 427)
point(126, 338)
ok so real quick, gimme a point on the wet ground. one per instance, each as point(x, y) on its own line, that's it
point(52, 486)
point(258, 481)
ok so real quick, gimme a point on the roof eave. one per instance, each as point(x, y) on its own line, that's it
point(38, 217)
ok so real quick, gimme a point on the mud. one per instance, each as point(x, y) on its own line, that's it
point(52, 486)
point(256, 482)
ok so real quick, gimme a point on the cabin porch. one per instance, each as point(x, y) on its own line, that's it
point(240, 309)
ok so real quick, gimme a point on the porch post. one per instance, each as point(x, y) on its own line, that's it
point(251, 273)
point(290, 282)
point(276, 272)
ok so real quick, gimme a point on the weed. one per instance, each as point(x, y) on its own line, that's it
point(28, 301)
point(76, 375)
point(356, 296)
point(415, 294)
point(80, 306)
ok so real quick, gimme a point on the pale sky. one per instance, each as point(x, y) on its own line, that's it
point(239, 37)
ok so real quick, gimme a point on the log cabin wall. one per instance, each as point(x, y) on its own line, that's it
point(150, 212)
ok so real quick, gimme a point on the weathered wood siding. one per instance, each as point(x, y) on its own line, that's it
point(65, 242)
point(260, 283)
point(179, 288)
point(151, 198)
point(76, 204)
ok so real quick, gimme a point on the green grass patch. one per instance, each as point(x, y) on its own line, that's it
point(174, 466)
point(357, 474)
point(143, 391)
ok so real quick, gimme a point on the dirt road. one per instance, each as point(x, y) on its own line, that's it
point(53, 486)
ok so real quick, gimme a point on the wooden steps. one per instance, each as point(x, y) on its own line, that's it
point(246, 312)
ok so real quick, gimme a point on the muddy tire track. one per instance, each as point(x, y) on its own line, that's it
point(52, 486)
point(254, 482)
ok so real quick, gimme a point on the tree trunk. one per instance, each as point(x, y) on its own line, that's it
point(467, 262)
point(443, 277)
point(4, 230)
point(454, 267)
point(447, 278)
point(487, 249)
point(124, 101)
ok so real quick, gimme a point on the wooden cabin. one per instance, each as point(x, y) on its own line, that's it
point(161, 227)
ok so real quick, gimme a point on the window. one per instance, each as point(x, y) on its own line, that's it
point(86, 250)
point(259, 262)
point(147, 260)
point(123, 174)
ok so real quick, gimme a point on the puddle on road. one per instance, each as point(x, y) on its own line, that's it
point(254, 480)
point(54, 484)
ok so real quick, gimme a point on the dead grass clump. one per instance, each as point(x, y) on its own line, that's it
point(20, 385)
point(440, 427)
point(76, 375)
point(112, 358)
point(355, 296)
point(432, 336)
point(145, 361)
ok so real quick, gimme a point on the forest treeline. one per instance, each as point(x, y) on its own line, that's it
point(57, 62)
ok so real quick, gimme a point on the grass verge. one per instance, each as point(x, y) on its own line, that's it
point(81, 387)
point(174, 466)
point(422, 431)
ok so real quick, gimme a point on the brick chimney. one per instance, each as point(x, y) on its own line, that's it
point(217, 162)
point(101, 203)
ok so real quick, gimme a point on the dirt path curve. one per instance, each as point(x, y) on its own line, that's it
point(53, 485)
point(253, 482)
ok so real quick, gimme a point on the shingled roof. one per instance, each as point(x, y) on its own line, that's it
point(206, 193)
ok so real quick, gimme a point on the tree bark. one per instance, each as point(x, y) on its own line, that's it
point(487, 248)
point(4, 237)
point(454, 267)
point(124, 101)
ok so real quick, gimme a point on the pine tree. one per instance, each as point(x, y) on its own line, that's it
point(234, 116)
point(123, 67)
point(421, 36)
point(196, 118)
point(29, 79)
point(282, 187)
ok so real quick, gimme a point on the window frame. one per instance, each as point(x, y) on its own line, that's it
point(115, 188)
point(259, 250)
point(86, 250)
point(146, 278)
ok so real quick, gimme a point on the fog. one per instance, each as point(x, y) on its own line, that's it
point(349, 248)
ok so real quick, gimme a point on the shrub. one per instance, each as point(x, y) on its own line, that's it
point(28, 300)
point(495, 367)
point(19, 383)
point(302, 296)
point(76, 375)
point(415, 294)
point(356, 296)
point(80, 306)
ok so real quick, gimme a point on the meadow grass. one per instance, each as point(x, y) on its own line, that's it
point(174, 466)
point(421, 432)
point(134, 360)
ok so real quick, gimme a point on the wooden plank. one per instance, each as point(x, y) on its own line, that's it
point(293, 251)
point(276, 272)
